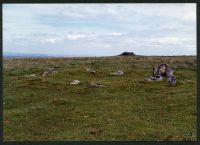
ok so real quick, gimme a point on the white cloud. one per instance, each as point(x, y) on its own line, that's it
point(75, 36)
point(91, 36)
point(51, 40)
point(170, 40)
point(115, 11)
point(190, 16)
point(116, 34)
point(100, 26)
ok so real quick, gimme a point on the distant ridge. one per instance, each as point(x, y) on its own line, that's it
point(127, 54)
point(36, 55)
point(22, 55)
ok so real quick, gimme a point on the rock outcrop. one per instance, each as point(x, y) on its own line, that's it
point(127, 54)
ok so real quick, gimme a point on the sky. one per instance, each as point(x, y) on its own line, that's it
point(100, 29)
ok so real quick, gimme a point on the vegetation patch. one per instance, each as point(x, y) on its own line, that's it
point(37, 108)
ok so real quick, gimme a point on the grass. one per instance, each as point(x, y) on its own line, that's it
point(127, 108)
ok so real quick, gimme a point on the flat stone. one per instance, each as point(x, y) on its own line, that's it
point(45, 73)
point(51, 69)
point(159, 79)
point(32, 75)
point(91, 70)
point(87, 69)
point(54, 71)
point(74, 82)
point(148, 79)
point(118, 73)
point(96, 85)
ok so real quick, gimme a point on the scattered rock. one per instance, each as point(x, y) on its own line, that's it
point(45, 73)
point(153, 78)
point(171, 80)
point(118, 73)
point(74, 82)
point(156, 78)
point(96, 85)
point(159, 79)
point(32, 75)
point(127, 54)
point(148, 79)
point(91, 71)
point(50, 69)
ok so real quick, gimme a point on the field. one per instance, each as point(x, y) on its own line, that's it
point(37, 108)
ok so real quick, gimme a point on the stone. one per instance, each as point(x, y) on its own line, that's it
point(45, 73)
point(91, 70)
point(96, 85)
point(51, 69)
point(74, 82)
point(32, 75)
point(159, 79)
point(148, 79)
point(118, 73)
point(87, 69)
point(153, 78)
point(171, 80)
point(163, 70)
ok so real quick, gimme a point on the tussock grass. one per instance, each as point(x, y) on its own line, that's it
point(127, 108)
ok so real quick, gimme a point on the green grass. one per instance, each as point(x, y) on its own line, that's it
point(128, 108)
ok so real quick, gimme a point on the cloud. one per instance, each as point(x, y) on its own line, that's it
point(104, 29)
point(116, 34)
point(170, 40)
point(114, 11)
point(92, 36)
point(75, 36)
point(51, 40)
point(190, 16)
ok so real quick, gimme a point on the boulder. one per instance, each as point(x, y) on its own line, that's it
point(91, 70)
point(118, 73)
point(32, 75)
point(45, 73)
point(74, 82)
point(50, 69)
point(96, 85)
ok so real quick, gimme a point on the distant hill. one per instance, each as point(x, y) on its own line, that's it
point(127, 54)
point(35, 55)
point(22, 55)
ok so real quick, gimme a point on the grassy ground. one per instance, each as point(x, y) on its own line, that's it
point(128, 108)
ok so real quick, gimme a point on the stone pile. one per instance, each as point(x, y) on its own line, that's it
point(160, 71)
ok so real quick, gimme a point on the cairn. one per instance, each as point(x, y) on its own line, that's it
point(160, 71)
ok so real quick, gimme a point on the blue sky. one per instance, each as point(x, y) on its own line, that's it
point(100, 29)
